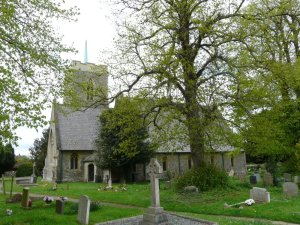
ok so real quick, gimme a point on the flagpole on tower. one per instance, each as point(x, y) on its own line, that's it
point(85, 53)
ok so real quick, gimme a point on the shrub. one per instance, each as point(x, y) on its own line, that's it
point(204, 178)
point(24, 169)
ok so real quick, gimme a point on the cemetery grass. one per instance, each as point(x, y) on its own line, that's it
point(43, 214)
point(209, 203)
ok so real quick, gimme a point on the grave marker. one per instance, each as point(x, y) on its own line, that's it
point(59, 207)
point(287, 177)
point(268, 179)
point(25, 197)
point(154, 215)
point(253, 179)
point(84, 210)
point(290, 189)
point(260, 195)
point(3, 184)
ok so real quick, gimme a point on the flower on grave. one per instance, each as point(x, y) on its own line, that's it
point(9, 212)
point(63, 198)
point(249, 202)
point(29, 203)
point(48, 199)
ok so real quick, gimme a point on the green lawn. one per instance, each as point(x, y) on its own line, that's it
point(43, 214)
point(209, 203)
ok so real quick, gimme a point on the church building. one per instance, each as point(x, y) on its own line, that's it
point(71, 153)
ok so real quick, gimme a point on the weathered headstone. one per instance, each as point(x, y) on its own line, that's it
point(253, 179)
point(84, 210)
point(59, 207)
point(258, 177)
point(154, 215)
point(3, 184)
point(268, 179)
point(191, 189)
point(231, 173)
point(290, 189)
point(287, 177)
point(242, 177)
point(168, 184)
point(25, 197)
point(297, 179)
point(260, 195)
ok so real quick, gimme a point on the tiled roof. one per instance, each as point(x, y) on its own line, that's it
point(77, 130)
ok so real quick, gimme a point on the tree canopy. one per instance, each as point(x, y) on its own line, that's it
point(7, 158)
point(39, 151)
point(205, 58)
point(31, 67)
point(123, 138)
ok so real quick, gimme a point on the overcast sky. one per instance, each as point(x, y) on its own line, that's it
point(94, 25)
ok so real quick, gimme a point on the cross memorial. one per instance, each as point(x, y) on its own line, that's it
point(154, 215)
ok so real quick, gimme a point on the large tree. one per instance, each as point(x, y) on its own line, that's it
point(123, 138)
point(39, 151)
point(178, 51)
point(31, 66)
point(268, 91)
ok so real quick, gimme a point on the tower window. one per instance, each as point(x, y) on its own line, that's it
point(74, 161)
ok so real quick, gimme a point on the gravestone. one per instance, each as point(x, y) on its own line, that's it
point(297, 179)
point(25, 197)
point(3, 184)
point(231, 173)
point(253, 179)
point(268, 179)
point(154, 215)
point(290, 189)
point(84, 210)
point(260, 195)
point(59, 207)
point(258, 177)
point(242, 177)
point(190, 189)
point(287, 177)
point(168, 184)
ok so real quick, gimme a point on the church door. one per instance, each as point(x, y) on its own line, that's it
point(91, 172)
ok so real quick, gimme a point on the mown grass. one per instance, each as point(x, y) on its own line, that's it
point(40, 214)
point(209, 203)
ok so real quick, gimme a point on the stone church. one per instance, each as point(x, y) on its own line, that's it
point(71, 151)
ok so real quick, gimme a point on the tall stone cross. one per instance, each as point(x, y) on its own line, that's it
point(154, 170)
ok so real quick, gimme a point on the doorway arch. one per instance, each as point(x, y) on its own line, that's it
point(91, 172)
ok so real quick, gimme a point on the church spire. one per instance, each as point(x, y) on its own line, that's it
point(85, 53)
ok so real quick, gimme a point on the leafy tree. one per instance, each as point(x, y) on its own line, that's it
point(39, 151)
point(31, 67)
point(179, 52)
point(123, 138)
point(7, 158)
point(267, 94)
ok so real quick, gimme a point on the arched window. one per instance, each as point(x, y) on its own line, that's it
point(74, 161)
point(90, 90)
point(164, 163)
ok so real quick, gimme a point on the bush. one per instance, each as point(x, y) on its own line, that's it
point(204, 178)
point(24, 170)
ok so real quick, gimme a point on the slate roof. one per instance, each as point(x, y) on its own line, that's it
point(77, 130)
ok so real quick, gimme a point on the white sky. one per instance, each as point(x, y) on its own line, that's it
point(93, 25)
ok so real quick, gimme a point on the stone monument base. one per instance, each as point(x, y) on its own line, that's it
point(155, 216)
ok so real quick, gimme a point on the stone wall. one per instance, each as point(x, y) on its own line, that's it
point(179, 163)
point(68, 174)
